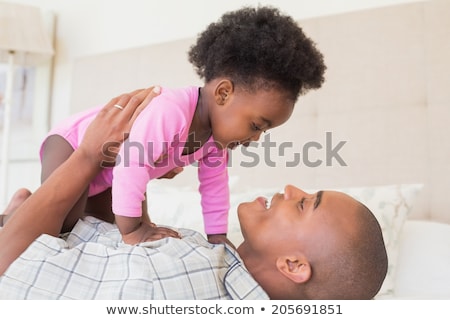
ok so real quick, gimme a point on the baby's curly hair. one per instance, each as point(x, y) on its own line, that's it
point(259, 48)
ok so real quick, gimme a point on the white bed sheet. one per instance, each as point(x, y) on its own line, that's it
point(423, 266)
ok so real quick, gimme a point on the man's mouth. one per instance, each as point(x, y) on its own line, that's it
point(266, 203)
point(263, 201)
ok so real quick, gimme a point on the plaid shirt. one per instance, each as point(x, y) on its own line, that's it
point(91, 262)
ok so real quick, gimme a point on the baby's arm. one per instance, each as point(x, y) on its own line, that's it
point(213, 176)
point(140, 229)
point(132, 216)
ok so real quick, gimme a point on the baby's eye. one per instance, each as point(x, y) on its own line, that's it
point(255, 127)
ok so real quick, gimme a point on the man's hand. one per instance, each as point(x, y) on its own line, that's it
point(113, 123)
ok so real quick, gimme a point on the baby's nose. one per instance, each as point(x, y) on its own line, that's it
point(256, 136)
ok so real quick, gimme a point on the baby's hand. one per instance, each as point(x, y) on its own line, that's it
point(219, 238)
point(148, 232)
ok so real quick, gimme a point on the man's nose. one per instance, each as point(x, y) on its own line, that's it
point(291, 192)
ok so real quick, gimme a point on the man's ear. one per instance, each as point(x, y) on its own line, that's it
point(296, 268)
point(223, 91)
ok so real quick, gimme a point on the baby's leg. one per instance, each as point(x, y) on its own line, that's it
point(17, 199)
point(56, 150)
point(99, 206)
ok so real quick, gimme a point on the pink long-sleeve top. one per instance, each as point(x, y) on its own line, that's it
point(154, 147)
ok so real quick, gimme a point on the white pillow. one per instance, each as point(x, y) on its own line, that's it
point(391, 205)
point(175, 207)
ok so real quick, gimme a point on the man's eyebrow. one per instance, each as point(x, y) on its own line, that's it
point(318, 199)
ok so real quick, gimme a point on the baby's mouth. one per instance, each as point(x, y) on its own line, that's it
point(234, 145)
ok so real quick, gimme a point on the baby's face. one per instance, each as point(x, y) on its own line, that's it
point(245, 115)
point(296, 220)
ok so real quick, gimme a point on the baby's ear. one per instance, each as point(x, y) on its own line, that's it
point(296, 268)
point(223, 91)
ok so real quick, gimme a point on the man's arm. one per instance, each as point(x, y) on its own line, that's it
point(45, 210)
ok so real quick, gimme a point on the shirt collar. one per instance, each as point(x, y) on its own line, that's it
point(238, 282)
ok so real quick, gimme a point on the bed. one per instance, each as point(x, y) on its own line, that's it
point(385, 98)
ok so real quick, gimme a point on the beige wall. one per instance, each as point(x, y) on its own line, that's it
point(91, 27)
point(386, 94)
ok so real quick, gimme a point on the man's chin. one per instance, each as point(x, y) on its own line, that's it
point(242, 209)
